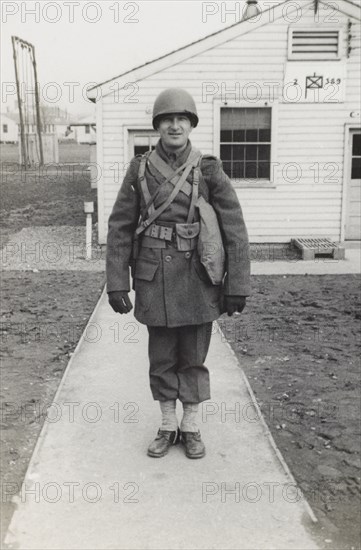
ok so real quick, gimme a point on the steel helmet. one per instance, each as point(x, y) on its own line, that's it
point(175, 100)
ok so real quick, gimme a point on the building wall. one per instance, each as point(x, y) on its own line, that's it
point(83, 137)
point(311, 135)
point(12, 133)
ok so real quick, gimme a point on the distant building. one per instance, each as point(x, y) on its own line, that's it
point(9, 132)
point(84, 130)
point(59, 118)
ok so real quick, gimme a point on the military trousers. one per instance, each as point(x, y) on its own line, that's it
point(176, 358)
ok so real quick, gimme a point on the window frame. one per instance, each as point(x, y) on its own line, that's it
point(128, 136)
point(262, 103)
point(313, 57)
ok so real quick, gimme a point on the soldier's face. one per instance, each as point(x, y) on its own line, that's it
point(174, 131)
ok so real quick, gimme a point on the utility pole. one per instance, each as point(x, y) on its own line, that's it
point(22, 131)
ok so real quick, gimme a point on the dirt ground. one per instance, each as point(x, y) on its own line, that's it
point(45, 196)
point(299, 344)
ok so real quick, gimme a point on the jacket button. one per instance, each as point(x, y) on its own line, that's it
point(187, 255)
point(168, 258)
point(189, 232)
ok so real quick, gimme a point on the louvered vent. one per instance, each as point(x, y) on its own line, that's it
point(316, 44)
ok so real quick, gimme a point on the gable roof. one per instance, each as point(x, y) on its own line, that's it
point(203, 44)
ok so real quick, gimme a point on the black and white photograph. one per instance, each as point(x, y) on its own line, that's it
point(180, 275)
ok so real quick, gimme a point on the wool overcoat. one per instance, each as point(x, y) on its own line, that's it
point(172, 287)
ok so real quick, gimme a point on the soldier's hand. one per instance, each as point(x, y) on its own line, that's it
point(119, 301)
point(234, 304)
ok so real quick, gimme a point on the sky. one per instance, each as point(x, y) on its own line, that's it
point(83, 42)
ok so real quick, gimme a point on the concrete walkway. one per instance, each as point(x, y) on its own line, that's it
point(90, 483)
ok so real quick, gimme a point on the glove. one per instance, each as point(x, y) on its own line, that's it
point(234, 303)
point(119, 301)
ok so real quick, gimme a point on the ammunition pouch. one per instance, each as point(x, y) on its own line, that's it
point(187, 235)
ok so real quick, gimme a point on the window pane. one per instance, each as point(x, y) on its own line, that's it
point(232, 118)
point(264, 118)
point(264, 170)
point(356, 145)
point(251, 152)
point(226, 135)
point(356, 168)
point(239, 135)
point(265, 135)
point(141, 140)
point(251, 135)
point(140, 149)
point(226, 152)
point(264, 152)
point(238, 170)
point(227, 167)
point(238, 152)
point(251, 118)
point(251, 170)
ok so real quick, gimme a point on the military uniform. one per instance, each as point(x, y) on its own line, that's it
point(172, 288)
point(174, 295)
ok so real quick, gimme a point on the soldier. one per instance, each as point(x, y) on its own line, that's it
point(154, 228)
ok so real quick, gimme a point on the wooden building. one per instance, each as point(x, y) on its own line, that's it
point(278, 97)
point(9, 131)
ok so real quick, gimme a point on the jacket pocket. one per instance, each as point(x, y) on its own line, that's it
point(145, 269)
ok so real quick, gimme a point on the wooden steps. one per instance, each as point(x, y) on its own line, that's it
point(318, 247)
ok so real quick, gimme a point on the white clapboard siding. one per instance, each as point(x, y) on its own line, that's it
point(310, 135)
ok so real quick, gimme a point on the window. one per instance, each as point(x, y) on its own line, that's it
point(356, 157)
point(313, 44)
point(144, 143)
point(5, 128)
point(245, 144)
point(87, 129)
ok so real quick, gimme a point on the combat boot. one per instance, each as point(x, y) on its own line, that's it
point(160, 446)
point(193, 444)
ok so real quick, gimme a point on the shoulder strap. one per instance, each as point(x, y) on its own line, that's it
point(195, 188)
point(162, 167)
point(145, 223)
point(192, 160)
point(143, 181)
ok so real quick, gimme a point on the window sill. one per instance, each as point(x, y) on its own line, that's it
point(258, 184)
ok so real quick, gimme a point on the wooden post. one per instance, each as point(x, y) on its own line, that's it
point(37, 105)
point(22, 133)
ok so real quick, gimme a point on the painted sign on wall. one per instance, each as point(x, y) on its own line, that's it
point(314, 82)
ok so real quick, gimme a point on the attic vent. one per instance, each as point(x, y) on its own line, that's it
point(317, 44)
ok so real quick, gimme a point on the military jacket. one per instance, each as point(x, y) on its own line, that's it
point(172, 287)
